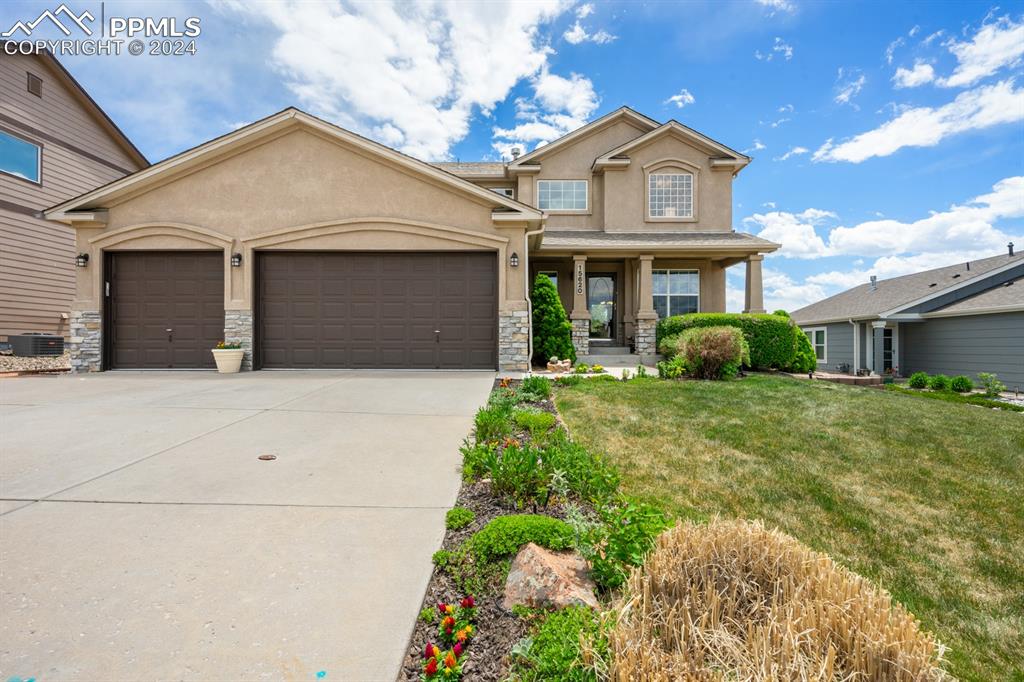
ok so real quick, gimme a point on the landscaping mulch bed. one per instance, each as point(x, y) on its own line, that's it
point(34, 365)
point(497, 629)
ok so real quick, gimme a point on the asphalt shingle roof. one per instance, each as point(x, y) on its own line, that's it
point(495, 168)
point(999, 296)
point(861, 302)
point(595, 238)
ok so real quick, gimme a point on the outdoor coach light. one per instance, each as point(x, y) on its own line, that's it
point(236, 260)
point(514, 260)
point(82, 260)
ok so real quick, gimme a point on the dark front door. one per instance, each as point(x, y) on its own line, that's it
point(601, 304)
point(377, 310)
point(165, 309)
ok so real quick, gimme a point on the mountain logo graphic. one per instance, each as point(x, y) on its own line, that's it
point(76, 20)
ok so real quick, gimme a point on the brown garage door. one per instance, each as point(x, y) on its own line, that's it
point(377, 310)
point(166, 309)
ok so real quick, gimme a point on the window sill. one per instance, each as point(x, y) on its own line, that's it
point(649, 219)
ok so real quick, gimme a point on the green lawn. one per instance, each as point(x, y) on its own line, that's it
point(924, 497)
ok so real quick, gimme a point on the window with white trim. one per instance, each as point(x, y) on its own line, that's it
point(818, 337)
point(19, 157)
point(676, 292)
point(670, 195)
point(504, 191)
point(562, 195)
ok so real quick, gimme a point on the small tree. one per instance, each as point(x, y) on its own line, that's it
point(552, 331)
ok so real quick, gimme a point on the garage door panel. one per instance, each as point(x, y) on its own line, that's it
point(378, 309)
point(154, 291)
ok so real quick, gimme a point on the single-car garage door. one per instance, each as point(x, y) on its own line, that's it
point(165, 310)
point(377, 310)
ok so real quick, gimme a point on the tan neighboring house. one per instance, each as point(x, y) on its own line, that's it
point(315, 247)
point(55, 143)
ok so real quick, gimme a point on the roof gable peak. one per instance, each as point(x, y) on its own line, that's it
point(622, 113)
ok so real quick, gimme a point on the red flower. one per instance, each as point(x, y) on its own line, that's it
point(457, 649)
point(431, 651)
point(441, 607)
point(448, 623)
point(431, 667)
point(449, 660)
point(468, 603)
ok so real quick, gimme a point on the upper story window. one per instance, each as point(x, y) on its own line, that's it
point(19, 157)
point(504, 191)
point(562, 195)
point(670, 195)
point(676, 292)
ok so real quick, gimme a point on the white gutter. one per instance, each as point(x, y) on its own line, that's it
point(529, 303)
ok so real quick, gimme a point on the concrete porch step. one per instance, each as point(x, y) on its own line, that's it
point(608, 350)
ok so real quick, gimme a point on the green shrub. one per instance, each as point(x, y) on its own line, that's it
point(458, 518)
point(582, 368)
point(770, 337)
point(536, 422)
point(588, 475)
point(493, 422)
point(670, 346)
point(476, 458)
point(918, 380)
point(621, 541)
point(804, 359)
point(504, 535)
point(442, 558)
point(428, 614)
point(552, 331)
point(961, 384)
point(563, 647)
point(939, 382)
point(534, 389)
point(516, 473)
point(946, 396)
point(568, 380)
point(714, 352)
point(672, 369)
point(991, 383)
point(781, 313)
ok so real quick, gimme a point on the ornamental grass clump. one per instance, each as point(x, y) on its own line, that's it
point(732, 600)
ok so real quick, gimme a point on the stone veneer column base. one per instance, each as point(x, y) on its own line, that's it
point(514, 341)
point(86, 344)
point(238, 329)
point(644, 338)
point(581, 337)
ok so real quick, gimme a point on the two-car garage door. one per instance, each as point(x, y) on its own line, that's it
point(313, 310)
point(377, 310)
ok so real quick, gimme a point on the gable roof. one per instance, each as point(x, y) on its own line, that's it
point(891, 295)
point(473, 169)
point(90, 105)
point(266, 127)
point(1002, 297)
point(677, 128)
point(622, 113)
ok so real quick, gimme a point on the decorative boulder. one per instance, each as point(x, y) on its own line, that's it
point(540, 577)
point(559, 366)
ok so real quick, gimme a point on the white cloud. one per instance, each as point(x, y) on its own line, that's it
point(756, 147)
point(576, 34)
point(681, 99)
point(914, 31)
point(780, 290)
point(584, 10)
point(559, 105)
point(778, 5)
point(994, 46)
point(794, 151)
point(769, 204)
point(890, 51)
point(975, 109)
point(795, 231)
point(911, 78)
point(934, 36)
point(785, 108)
point(411, 74)
point(849, 86)
point(776, 123)
point(779, 47)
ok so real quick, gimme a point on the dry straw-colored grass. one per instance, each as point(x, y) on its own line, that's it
point(732, 600)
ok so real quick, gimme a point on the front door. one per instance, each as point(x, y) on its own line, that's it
point(601, 304)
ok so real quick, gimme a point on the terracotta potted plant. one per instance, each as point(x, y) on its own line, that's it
point(228, 357)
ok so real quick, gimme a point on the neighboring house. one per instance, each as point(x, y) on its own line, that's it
point(961, 319)
point(55, 143)
point(315, 247)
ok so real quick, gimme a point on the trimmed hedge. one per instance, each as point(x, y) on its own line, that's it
point(773, 339)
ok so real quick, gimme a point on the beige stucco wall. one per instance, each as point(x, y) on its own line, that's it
point(626, 190)
point(301, 190)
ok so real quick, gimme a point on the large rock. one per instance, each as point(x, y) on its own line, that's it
point(540, 577)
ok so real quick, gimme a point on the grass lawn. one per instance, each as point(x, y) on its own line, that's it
point(925, 497)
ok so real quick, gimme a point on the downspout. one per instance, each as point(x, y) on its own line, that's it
point(529, 303)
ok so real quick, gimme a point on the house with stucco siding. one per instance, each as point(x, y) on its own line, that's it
point(314, 247)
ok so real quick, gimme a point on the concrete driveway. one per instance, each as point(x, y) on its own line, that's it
point(142, 538)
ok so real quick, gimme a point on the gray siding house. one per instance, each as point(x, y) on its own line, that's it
point(960, 319)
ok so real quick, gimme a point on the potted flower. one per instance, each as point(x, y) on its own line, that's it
point(228, 357)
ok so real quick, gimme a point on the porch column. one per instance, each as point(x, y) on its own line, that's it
point(754, 295)
point(580, 314)
point(646, 319)
point(878, 345)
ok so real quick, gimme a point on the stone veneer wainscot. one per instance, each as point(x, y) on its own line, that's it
point(238, 329)
point(86, 344)
point(514, 340)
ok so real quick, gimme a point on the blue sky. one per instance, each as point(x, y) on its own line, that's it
point(887, 137)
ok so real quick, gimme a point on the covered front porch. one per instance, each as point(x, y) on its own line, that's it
point(614, 297)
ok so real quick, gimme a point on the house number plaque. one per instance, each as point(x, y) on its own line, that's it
point(579, 277)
